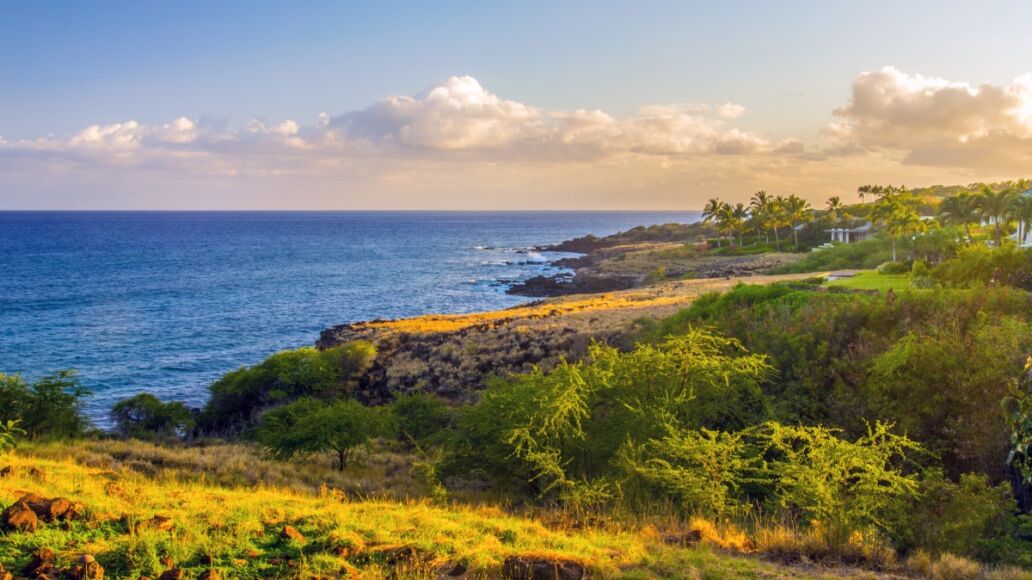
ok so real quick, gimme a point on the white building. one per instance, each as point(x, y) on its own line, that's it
point(851, 235)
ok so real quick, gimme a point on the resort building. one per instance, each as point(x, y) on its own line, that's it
point(850, 235)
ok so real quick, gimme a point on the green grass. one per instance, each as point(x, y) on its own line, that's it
point(872, 280)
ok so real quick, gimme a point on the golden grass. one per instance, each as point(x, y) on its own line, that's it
point(236, 528)
point(661, 298)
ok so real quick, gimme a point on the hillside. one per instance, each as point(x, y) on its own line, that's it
point(175, 526)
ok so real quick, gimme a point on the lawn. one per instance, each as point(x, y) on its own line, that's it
point(872, 280)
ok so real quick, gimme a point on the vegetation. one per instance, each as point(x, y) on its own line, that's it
point(144, 416)
point(306, 427)
point(50, 407)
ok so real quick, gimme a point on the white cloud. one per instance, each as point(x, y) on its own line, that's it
point(935, 121)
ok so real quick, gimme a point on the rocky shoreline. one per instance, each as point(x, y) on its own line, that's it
point(638, 257)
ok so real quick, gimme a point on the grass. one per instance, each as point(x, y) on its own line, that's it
point(872, 280)
point(236, 530)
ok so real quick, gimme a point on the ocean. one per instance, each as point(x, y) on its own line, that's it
point(166, 302)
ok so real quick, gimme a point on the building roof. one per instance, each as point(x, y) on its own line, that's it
point(866, 227)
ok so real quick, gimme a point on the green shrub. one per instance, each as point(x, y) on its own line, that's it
point(238, 397)
point(421, 417)
point(145, 416)
point(9, 434)
point(50, 407)
point(955, 517)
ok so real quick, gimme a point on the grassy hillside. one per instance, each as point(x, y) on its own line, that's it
point(136, 525)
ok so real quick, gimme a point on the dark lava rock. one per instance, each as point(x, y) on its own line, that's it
point(538, 568)
point(19, 518)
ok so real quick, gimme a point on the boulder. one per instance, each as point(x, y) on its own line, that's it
point(689, 538)
point(19, 517)
point(48, 510)
point(291, 533)
point(173, 574)
point(529, 567)
point(42, 563)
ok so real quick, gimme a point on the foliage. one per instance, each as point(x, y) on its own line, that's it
point(9, 434)
point(844, 486)
point(979, 265)
point(421, 417)
point(894, 268)
point(49, 407)
point(238, 397)
point(561, 432)
point(867, 254)
point(955, 517)
point(308, 426)
point(145, 416)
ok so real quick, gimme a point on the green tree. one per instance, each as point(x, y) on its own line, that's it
point(144, 415)
point(836, 209)
point(760, 209)
point(997, 208)
point(797, 212)
point(9, 434)
point(50, 407)
point(897, 213)
point(962, 210)
point(307, 427)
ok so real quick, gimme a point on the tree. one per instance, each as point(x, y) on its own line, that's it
point(48, 407)
point(797, 212)
point(307, 427)
point(145, 415)
point(760, 207)
point(778, 217)
point(711, 213)
point(836, 209)
point(997, 208)
point(897, 212)
point(728, 222)
point(1022, 209)
point(741, 214)
point(962, 210)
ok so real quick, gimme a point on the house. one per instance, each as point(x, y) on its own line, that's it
point(851, 235)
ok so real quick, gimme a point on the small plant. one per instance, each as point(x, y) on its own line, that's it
point(9, 434)
point(893, 268)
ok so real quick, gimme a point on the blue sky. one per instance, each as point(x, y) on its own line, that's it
point(67, 66)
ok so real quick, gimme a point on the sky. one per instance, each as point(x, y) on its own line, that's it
point(503, 105)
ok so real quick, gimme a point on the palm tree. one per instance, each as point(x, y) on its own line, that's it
point(711, 211)
point(741, 214)
point(727, 222)
point(797, 212)
point(897, 212)
point(962, 210)
point(777, 217)
point(760, 206)
point(1023, 213)
point(997, 208)
point(836, 209)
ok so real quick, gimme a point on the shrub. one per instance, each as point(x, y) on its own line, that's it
point(421, 417)
point(9, 434)
point(238, 397)
point(307, 427)
point(955, 517)
point(50, 407)
point(144, 416)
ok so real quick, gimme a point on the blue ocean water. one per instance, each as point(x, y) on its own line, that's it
point(166, 302)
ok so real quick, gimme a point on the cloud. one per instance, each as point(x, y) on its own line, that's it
point(458, 145)
point(934, 121)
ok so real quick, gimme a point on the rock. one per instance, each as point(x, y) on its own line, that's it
point(4, 574)
point(87, 568)
point(210, 574)
point(540, 568)
point(37, 474)
point(19, 518)
point(48, 510)
point(291, 533)
point(168, 562)
point(8, 471)
point(42, 563)
point(173, 574)
point(160, 523)
point(689, 538)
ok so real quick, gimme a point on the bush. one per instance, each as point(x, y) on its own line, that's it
point(238, 397)
point(955, 517)
point(421, 417)
point(893, 268)
point(307, 427)
point(50, 407)
point(144, 416)
point(980, 265)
